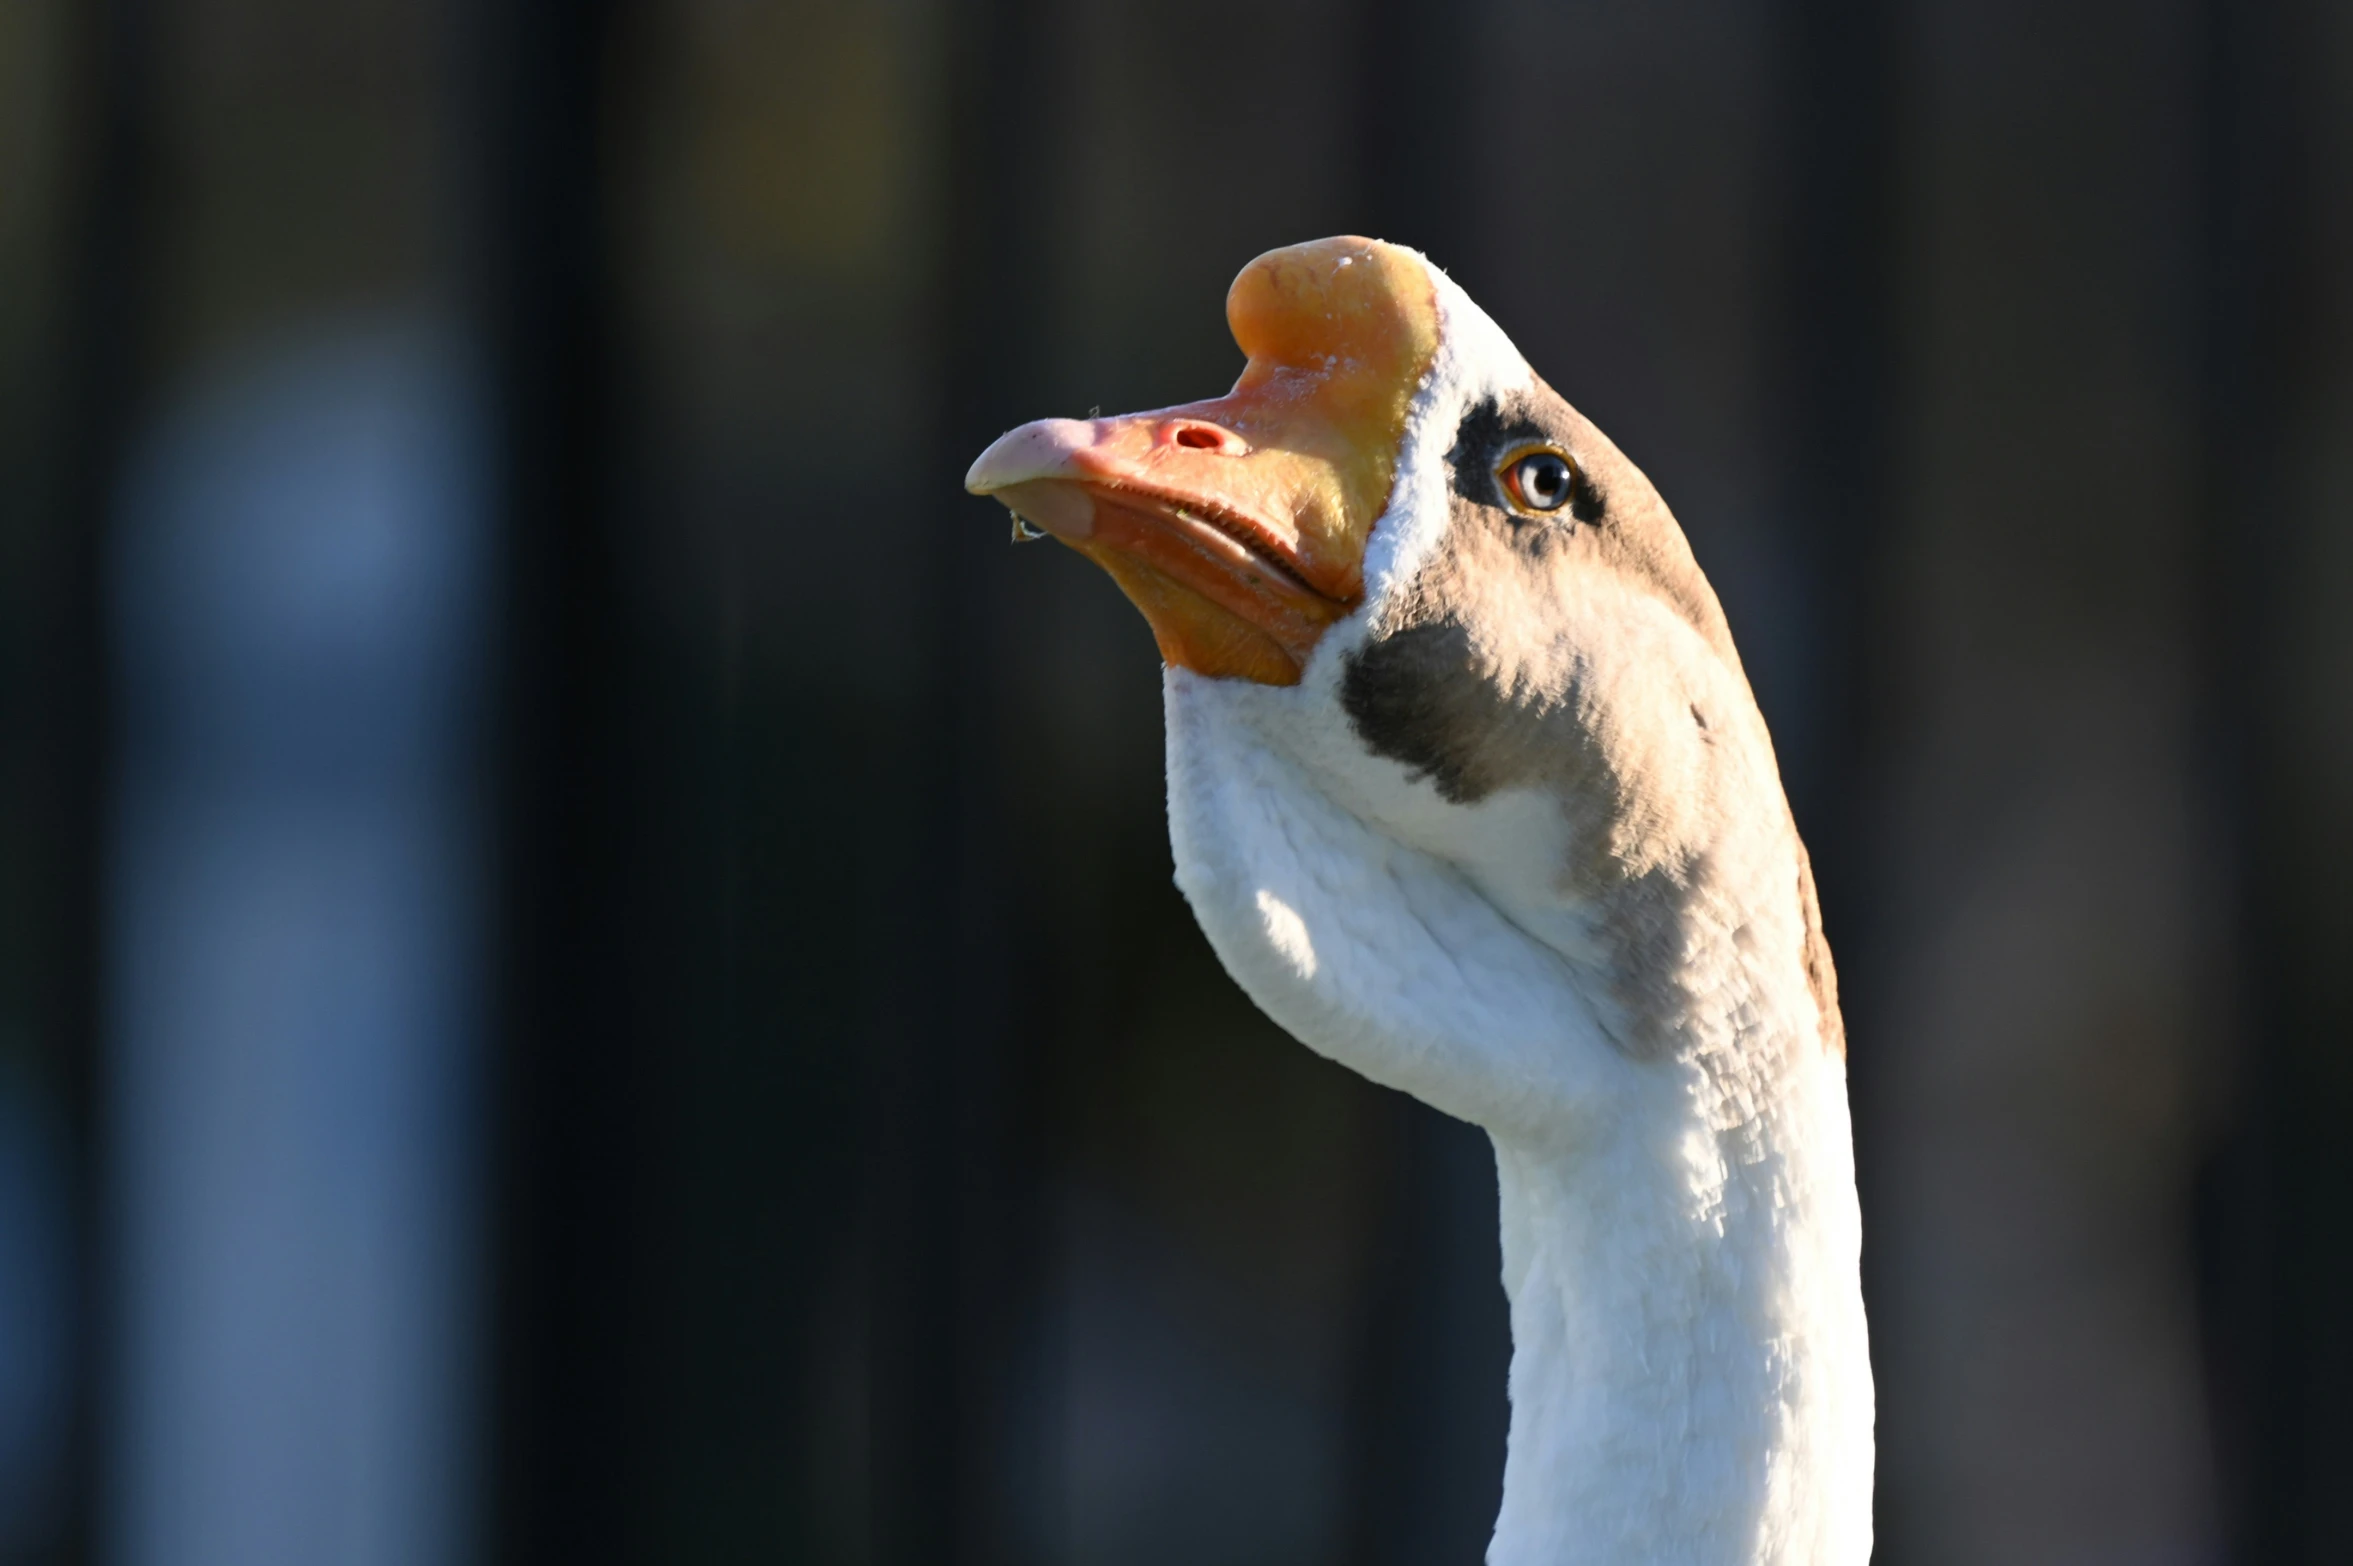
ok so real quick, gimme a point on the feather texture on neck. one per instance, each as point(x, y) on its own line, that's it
point(1681, 1242)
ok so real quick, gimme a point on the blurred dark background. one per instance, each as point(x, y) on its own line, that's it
point(588, 969)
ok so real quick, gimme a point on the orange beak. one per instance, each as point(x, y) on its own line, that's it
point(1238, 525)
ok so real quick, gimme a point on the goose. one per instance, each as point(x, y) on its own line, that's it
point(1469, 793)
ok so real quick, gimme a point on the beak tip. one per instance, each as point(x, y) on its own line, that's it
point(982, 476)
point(1039, 449)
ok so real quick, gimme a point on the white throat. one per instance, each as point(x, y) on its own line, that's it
point(1690, 1377)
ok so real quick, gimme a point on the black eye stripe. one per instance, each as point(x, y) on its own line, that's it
point(1480, 441)
point(1487, 434)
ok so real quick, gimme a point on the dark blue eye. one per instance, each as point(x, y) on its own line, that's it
point(1540, 481)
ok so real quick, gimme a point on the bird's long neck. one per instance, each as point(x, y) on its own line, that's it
point(1691, 1376)
point(1690, 1379)
point(1681, 1239)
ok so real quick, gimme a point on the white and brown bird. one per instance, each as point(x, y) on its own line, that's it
point(1467, 789)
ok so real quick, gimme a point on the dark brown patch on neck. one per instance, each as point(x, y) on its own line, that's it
point(1416, 697)
point(1821, 974)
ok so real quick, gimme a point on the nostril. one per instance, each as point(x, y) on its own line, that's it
point(1205, 437)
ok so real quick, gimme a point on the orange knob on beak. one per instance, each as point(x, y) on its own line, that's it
point(1238, 525)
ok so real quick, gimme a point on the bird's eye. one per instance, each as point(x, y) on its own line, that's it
point(1539, 481)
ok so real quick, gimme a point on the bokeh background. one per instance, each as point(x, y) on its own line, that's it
point(588, 969)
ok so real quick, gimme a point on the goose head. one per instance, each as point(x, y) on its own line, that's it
point(1398, 561)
